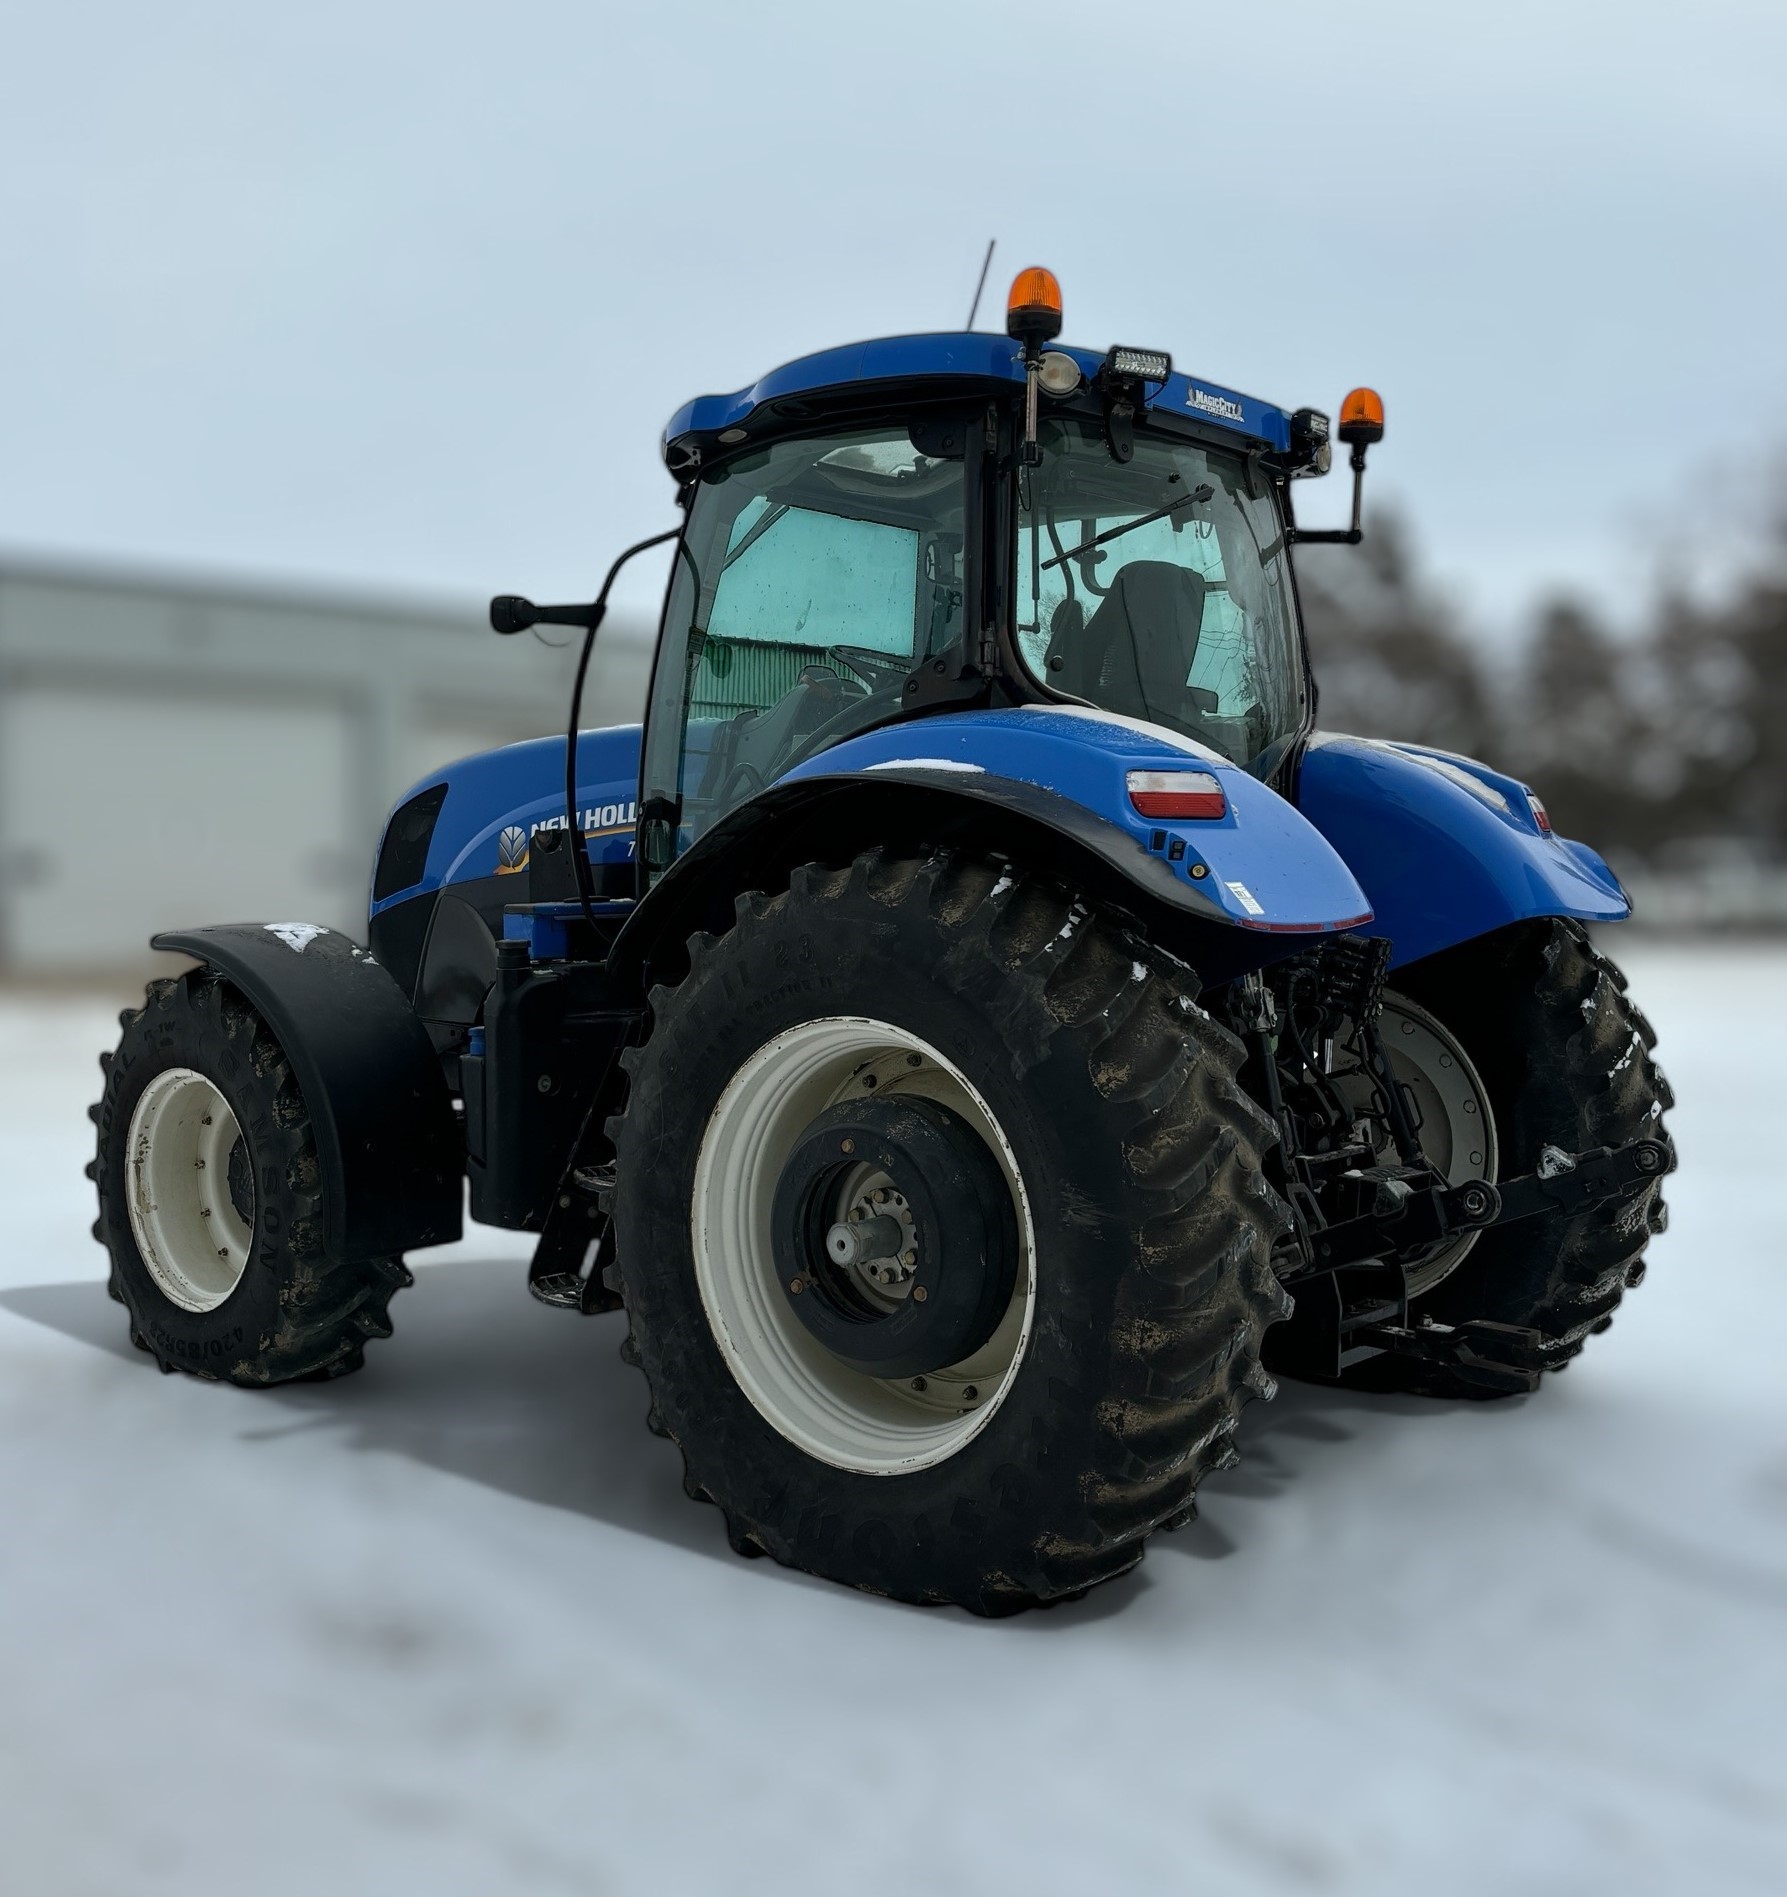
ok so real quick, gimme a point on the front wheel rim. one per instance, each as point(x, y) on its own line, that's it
point(189, 1229)
point(838, 1415)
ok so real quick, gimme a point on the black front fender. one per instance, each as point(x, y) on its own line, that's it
point(391, 1151)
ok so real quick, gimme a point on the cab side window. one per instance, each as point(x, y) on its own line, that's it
point(795, 585)
point(816, 576)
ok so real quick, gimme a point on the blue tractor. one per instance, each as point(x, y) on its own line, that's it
point(977, 1029)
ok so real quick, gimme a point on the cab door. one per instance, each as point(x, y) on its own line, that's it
point(816, 576)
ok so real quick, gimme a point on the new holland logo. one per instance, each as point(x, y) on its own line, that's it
point(1218, 405)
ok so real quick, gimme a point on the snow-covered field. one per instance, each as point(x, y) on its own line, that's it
point(451, 1627)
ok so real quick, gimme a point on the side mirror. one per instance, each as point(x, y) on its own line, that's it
point(510, 613)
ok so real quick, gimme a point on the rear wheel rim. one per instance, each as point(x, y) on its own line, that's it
point(840, 1416)
point(1457, 1123)
point(191, 1233)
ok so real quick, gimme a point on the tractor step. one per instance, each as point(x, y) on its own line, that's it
point(562, 1289)
point(572, 1268)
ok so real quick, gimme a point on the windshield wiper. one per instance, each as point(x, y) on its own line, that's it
point(1202, 492)
point(758, 528)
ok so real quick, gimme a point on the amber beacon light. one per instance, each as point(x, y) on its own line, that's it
point(1033, 310)
point(1362, 418)
point(1361, 423)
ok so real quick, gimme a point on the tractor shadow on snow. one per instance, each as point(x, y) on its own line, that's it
point(483, 1383)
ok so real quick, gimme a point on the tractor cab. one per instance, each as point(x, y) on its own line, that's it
point(931, 521)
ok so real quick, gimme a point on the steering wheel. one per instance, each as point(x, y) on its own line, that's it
point(841, 723)
point(879, 668)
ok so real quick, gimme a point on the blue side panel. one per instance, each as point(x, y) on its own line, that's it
point(1263, 866)
point(1446, 848)
point(971, 357)
point(498, 799)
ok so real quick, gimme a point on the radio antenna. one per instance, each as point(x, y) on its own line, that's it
point(986, 263)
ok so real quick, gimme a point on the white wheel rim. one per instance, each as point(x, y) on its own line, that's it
point(186, 1226)
point(838, 1415)
point(1457, 1124)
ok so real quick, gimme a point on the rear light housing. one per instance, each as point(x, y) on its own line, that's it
point(1541, 816)
point(1184, 796)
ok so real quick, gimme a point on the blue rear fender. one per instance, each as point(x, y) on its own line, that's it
point(1261, 866)
point(1445, 848)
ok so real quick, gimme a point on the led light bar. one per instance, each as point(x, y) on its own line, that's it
point(1140, 365)
point(1191, 795)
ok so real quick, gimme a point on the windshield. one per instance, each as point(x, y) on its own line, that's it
point(1159, 588)
point(816, 576)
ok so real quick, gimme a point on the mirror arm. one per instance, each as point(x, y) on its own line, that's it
point(1339, 536)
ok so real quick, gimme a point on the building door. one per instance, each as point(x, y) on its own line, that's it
point(122, 814)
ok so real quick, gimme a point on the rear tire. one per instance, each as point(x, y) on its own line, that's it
point(1566, 1057)
point(1109, 1098)
point(211, 1199)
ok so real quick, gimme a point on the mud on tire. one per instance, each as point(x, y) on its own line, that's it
point(1153, 1224)
point(296, 1312)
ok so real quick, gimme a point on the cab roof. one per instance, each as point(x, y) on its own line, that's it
point(973, 360)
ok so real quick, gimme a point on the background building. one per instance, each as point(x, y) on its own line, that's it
point(173, 751)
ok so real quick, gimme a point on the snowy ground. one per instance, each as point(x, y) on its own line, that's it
point(450, 1626)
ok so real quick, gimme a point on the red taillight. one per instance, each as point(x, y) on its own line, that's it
point(1541, 816)
point(1181, 794)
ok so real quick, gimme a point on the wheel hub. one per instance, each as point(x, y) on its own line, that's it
point(894, 1239)
point(189, 1179)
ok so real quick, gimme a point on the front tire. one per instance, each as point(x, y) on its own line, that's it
point(210, 1199)
point(1104, 1105)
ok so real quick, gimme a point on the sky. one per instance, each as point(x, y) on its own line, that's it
point(399, 297)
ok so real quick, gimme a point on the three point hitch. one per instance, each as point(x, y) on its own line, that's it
point(1344, 1319)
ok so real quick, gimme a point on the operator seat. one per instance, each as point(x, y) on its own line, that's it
point(1139, 646)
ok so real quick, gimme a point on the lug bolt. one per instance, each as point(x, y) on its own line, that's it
point(544, 1083)
point(915, 1060)
point(909, 1257)
point(919, 1294)
point(971, 1394)
point(797, 1285)
point(858, 1213)
point(880, 1195)
point(918, 1383)
point(848, 1146)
